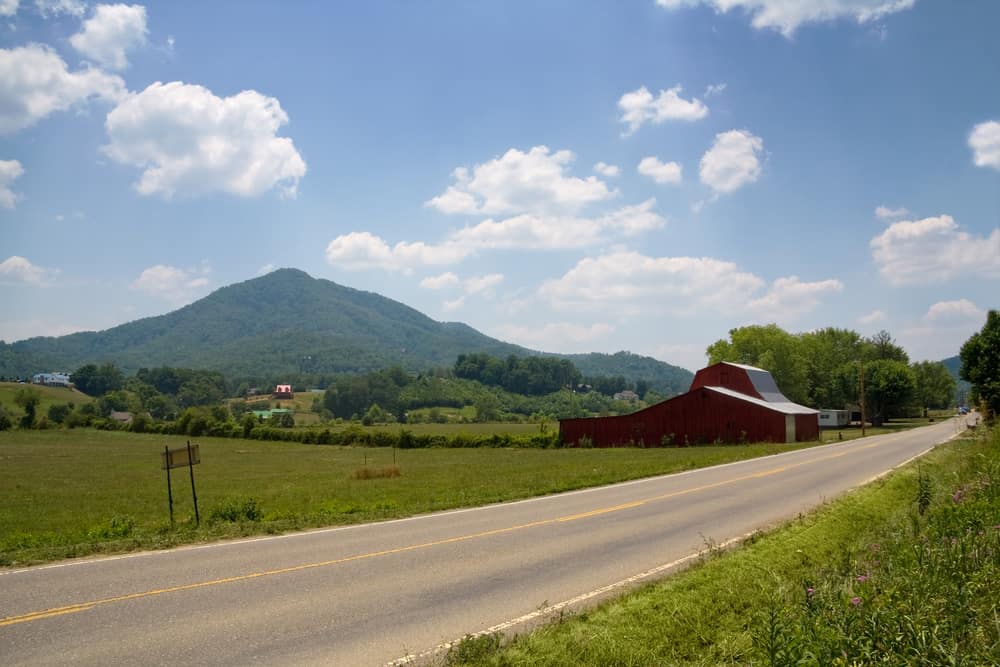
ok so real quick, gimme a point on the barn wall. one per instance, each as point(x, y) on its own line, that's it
point(700, 416)
point(806, 428)
point(724, 375)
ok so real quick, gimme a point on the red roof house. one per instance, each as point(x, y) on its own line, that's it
point(727, 402)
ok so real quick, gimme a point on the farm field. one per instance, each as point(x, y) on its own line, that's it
point(48, 396)
point(74, 492)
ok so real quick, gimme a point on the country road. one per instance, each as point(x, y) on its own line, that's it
point(374, 593)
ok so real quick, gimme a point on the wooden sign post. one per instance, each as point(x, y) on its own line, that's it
point(180, 457)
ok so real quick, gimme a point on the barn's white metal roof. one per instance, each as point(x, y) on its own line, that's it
point(784, 407)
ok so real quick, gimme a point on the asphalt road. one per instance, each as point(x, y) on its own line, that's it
point(372, 594)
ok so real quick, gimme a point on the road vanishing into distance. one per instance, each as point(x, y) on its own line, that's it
point(377, 593)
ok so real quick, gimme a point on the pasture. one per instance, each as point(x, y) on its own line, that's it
point(74, 492)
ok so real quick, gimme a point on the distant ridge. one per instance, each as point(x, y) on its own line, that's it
point(288, 322)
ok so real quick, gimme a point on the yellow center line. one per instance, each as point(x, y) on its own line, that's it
point(85, 606)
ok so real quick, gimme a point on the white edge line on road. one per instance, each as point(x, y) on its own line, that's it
point(548, 610)
point(463, 510)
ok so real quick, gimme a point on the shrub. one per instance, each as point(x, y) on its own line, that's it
point(234, 510)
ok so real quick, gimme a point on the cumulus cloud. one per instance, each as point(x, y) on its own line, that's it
point(960, 309)
point(477, 284)
point(873, 317)
point(17, 269)
point(661, 172)
point(732, 161)
point(10, 170)
point(35, 82)
point(190, 142)
point(445, 280)
point(934, 250)
point(563, 336)
point(363, 250)
point(632, 284)
point(609, 170)
point(788, 297)
point(178, 286)
point(267, 268)
point(640, 107)
point(518, 182)
point(786, 16)
point(110, 33)
point(541, 232)
point(886, 213)
point(8, 7)
point(454, 304)
point(984, 140)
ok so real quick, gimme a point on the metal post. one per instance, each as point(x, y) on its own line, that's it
point(194, 495)
point(170, 491)
point(862, 398)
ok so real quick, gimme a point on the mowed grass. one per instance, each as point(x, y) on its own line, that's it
point(75, 492)
point(901, 572)
point(48, 396)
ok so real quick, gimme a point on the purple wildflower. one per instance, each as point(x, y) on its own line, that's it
point(855, 601)
point(862, 578)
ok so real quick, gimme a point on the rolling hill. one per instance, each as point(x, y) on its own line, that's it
point(289, 323)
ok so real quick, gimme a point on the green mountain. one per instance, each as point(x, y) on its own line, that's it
point(287, 323)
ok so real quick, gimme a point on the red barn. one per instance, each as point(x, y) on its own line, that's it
point(283, 391)
point(727, 402)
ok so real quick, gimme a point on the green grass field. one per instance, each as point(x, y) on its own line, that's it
point(73, 492)
point(48, 396)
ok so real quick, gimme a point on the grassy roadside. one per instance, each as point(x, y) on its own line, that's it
point(67, 493)
point(902, 572)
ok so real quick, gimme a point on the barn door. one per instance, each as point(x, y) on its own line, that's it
point(789, 428)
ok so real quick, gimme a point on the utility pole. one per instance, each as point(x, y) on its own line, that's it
point(862, 398)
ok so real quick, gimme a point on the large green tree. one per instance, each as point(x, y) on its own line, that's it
point(935, 387)
point(832, 357)
point(889, 387)
point(771, 348)
point(95, 380)
point(981, 364)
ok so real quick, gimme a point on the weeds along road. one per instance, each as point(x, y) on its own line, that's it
point(371, 594)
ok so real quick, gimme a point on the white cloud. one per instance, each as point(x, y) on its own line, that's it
point(110, 33)
point(686, 355)
point(518, 182)
point(788, 297)
point(873, 317)
point(562, 336)
point(453, 305)
point(661, 172)
point(886, 213)
point(442, 281)
point(633, 284)
point(732, 161)
point(34, 83)
point(787, 15)
point(477, 284)
point(267, 268)
point(549, 233)
point(21, 329)
point(8, 7)
point(640, 107)
point(50, 8)
point(191, 142)
point(715, 89)
point(609, 170)
point(363, 250)
point(19, 270)
point(985, 143)
point(10, 170)
point(934, 250)
point(961, 309)
point(172, 284)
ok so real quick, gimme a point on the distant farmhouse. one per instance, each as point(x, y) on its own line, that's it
point(51, 379)
point(283, 391)
point(727, 402)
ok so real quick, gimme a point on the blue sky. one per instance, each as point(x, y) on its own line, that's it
point(570, 176)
